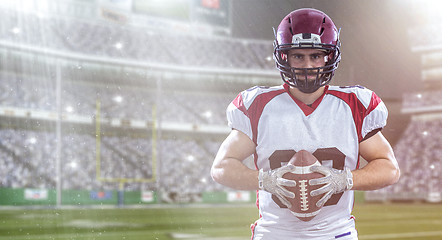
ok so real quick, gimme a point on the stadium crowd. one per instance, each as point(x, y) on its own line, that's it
point(103, 39)
point(425, 100)
point(419, 155)
point(28, 160)
point(115, 101)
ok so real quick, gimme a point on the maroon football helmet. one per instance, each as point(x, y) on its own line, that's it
point(307, 28)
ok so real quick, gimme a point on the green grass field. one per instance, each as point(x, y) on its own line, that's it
point(224, 222)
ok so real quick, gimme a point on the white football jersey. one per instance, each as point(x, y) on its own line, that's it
point(331, 129)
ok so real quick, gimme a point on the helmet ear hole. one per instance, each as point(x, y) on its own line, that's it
point(330, 56)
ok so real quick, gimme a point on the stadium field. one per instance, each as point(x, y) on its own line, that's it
point(209, 222)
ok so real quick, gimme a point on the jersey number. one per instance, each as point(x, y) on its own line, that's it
point(322, 154)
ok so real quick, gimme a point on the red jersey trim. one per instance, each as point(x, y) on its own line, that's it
point(374, 102)
point(238, 102)
point(358, 110)
point(304, 107)
point(256, 108)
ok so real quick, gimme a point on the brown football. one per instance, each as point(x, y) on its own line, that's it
point(303, 205)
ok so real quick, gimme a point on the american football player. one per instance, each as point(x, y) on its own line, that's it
point(336, 124)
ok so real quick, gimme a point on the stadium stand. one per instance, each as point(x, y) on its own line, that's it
point(27, 151)
point(107, 40)
point(28, 158)
point(115, 101)
point(418, 153)
point(426, 101)
point(419, 149)
point(28, 154)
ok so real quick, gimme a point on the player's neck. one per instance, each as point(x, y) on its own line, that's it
point(307, 98)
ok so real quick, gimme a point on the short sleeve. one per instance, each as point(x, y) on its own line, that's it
point(237, 116)
point(375, 116)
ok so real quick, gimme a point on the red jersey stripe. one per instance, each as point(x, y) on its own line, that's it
point(357, 108)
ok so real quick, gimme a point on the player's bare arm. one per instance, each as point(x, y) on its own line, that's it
point(228, 169)
point(382, 169)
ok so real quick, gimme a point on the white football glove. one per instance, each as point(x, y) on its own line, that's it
point(336, 181)
point(273, 182)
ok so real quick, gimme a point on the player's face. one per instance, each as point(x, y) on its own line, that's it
point(306, 58)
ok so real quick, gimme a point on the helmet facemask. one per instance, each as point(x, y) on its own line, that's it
point(299, 77)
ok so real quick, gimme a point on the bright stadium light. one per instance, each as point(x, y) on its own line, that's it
point(118, 45)
point(73, 165)
point(190, 158)
point(208, 114)
point(16, 30)
point(118, 99)
point(69, 109)
point(428, 9)
point(32, 140)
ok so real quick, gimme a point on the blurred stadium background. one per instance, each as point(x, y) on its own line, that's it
point(122, 102)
